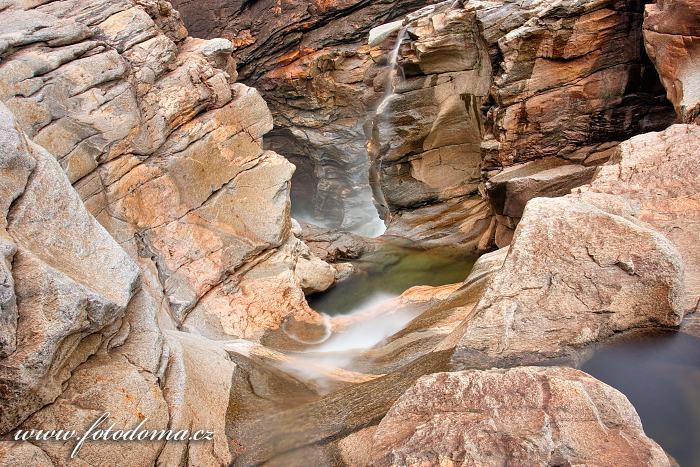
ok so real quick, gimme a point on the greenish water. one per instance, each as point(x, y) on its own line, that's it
point(660, 375)
point(388, 273)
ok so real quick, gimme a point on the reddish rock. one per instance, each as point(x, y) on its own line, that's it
point(659, 175)
point(672, 39)
point(521, 416)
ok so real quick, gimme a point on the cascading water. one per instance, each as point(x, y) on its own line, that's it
point(393, 69)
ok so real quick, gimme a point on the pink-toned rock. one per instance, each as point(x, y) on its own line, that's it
point(659, 174)
point(150, 127)
point(521, 416)
point(574, 275)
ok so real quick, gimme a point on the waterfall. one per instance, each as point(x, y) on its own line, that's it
point(393, 62)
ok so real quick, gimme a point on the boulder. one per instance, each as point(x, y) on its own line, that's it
point(657, 176)
point(575, 274)
point(520, 416)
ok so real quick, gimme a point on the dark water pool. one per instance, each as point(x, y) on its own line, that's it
point(660, 375)
point(389, 272)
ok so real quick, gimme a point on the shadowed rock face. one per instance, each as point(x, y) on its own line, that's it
point(490, 85)
point(487, 85)
point(672, 39)
point(521, 416)
point(311, 63)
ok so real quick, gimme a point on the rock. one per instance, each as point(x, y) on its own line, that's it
point(510, 190)
point(334, 246)
point(309, 59)
point(506, 99)
point(486, 85)
point(261, 297)
point(672, 39)
point(314, 274)
point(574, 275)
point(427, 135)
point(163, 146)
point(658, 175)
point(23, 453)
point(381, 33)
point(524, 416)
point(198, 387)
point(462, 223)
point(64, 264)
point(105, 385)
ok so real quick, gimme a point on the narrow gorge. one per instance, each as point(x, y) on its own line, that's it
point(350, 232)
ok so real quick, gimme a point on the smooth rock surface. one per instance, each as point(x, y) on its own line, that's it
point(659, 175)
point(672, 39)
point(575, 274)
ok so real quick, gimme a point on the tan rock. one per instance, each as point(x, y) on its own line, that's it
point(66, 265)
point(659, 174)
point(521, 416)
point(574, 275)
point(105, 385)
point(148, 124)
point(23, 453)
point(198, 387)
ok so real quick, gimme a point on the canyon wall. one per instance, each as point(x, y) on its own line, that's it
point(142, 219)
point(138, 201)
point(506, 101)
point(311, 63)
point(477, 87)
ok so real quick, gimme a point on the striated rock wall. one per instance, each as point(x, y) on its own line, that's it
point(312, 65)
point(164, 148)
point(136, 199)
point(479, 86)
point(672, 39)
point(499, 84)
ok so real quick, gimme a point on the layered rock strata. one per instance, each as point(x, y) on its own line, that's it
point(136, 198)
point(310, 61)
point(162, 145)
point(493, 85)
point(479, 86)
point(672, 39)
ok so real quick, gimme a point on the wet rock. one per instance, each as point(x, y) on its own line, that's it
point(526, 415)
point(574, 274)
point(310, 60)
point(463, 223)
point(672, 39)
point(334, 246)
point(656, 178)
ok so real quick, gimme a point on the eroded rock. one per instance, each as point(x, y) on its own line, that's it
point(574, 274)
point(529, 416)
point(672, 39)
point(656, 177)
